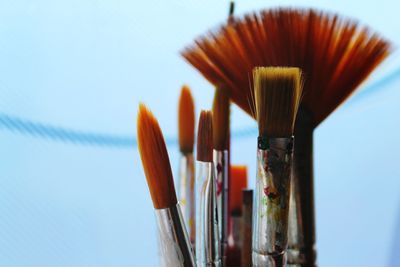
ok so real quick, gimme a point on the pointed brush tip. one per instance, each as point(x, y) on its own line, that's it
point(186, 120)
point(204, 137)
point(155, 160)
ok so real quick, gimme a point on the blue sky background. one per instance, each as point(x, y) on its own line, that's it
point(85, 65)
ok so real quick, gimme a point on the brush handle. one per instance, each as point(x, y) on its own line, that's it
point(175, 247)
point(186, 194)
point(220, 159)
point(235, 238)
point(247, 227)
point(274, 159)
point(301, 251)
point(208, 249)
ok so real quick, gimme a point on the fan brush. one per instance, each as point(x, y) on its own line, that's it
point(336, 55)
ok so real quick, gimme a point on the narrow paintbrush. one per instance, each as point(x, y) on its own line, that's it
point(174, 242)
point(208, 249)
point(186, 118)
point(277, 93)
point(238, 182)
point(221, 110)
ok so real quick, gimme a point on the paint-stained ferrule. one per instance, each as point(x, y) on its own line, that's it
point(186, 194)
point(208, 248)
point(271, 207)
point(220, 159)
point(175, 248)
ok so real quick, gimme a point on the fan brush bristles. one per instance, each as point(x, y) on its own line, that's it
point(186, 120)
point(335, 53)
point(155, 160)
point(220, 113)
point(205, 137)
point(277, 93)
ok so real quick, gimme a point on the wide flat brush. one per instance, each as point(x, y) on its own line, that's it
point(277, 93)
point(174, 242)
point(186, 125)
point(335, 53)
point(208, 248)
point(221, 111)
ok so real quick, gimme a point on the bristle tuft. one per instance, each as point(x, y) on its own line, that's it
point(220, 113)
point(336, 53)
point(205, 137)
point(186, 120)
point(155, 160)
point(277, 92)
point(237, 183)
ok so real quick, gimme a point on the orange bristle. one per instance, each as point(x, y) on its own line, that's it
point(155, 160)
point(205, 137)
point(220, 113)
point(335, 54)
point(186, 118)
point(237, 184)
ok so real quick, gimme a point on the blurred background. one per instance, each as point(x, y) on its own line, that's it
point(72, 189)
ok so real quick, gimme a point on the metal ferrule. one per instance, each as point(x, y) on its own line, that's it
point(208, 249)
point(175, 248)
point(186, 194)
point(274, 159)
point(301, 249)
point(221, 170)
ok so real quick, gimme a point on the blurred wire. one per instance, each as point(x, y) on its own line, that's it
point(55, 133)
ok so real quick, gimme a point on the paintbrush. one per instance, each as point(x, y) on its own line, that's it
point(186, 121)
point(174, 242)
point(220, 117)
point(208, 248)
point(238, 182)
point(247, 228)
point(277, 93)
point(336, 55)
